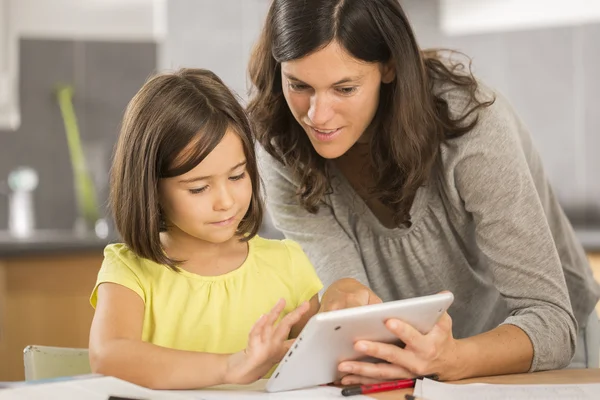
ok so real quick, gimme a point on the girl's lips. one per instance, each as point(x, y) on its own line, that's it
point(225, 222)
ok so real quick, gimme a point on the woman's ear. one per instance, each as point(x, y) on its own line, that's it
point(388, 71)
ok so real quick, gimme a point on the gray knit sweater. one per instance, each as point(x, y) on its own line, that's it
point(487, 227)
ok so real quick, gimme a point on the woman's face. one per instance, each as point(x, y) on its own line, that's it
point(333, 96)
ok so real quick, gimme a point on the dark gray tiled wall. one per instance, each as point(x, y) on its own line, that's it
point(591, 112)
point(550, 76)
point(217, 35)
point(105, 75)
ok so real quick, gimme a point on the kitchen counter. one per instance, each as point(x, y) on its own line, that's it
point(64, 241)
point(50, 242)
point(46, 282)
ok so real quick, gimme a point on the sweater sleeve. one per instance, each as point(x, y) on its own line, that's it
point(492, 176)
point(330, 249)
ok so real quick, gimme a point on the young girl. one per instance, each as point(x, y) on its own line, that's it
point(193, 297)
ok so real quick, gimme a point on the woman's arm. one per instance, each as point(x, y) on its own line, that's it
point(508, 345)
point(493, 176)
point(503, 350)
point(116, 348)
point(489, 169)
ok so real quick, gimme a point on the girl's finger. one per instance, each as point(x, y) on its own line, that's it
point(271, 318)
point(254, 337)
point(284, 327)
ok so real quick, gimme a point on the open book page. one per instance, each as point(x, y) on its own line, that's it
point(432, 390)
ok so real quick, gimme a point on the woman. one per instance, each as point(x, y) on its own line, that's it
point(400, 172)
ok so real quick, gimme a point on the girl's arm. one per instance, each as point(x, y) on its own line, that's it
point(116, 348)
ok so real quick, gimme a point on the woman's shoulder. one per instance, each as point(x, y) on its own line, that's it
point(265, 159)
point(497, 125)
point(270, 167)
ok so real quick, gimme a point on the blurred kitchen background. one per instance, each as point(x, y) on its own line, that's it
point(543, 55)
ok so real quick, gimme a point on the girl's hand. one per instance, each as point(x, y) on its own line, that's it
point(434, 353)
point(347, 293)
point(267, 344)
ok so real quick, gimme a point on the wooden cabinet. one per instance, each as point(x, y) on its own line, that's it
point(44, 301)
point(595, 264)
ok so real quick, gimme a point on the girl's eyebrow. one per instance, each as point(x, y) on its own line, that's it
point(201, 178)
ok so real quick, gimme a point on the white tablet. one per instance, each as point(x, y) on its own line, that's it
point(328, 338)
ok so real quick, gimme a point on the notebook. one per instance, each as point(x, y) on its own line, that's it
point(433, 390)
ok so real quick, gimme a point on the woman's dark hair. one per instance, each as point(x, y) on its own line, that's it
point(411, 121)
point(173, 112)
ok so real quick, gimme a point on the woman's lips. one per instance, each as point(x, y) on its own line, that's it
point(323, 135)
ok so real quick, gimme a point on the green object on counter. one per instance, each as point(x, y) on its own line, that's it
point(84, 186)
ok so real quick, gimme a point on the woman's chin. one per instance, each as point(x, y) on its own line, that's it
point(330, 150)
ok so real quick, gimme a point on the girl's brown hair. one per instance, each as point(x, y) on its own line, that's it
point(170, 113)
point(411, 120)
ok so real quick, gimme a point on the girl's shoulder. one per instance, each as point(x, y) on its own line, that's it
point(120, 259)
point(273, 246)
point(283, 250)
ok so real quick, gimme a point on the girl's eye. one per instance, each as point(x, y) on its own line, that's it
point(297, 87)
point(198, 190)
point(238, 177)
point(347, 90)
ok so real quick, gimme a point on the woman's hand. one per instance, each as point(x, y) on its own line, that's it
point(434, 353)
point(347, 293)
point(267, 344)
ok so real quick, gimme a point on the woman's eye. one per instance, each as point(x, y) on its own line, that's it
point(238, 177)
point(347, 90)
point(297, 86)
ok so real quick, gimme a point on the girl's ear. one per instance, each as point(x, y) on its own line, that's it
point(161, 213)
point(388, 71)
point(162, 222)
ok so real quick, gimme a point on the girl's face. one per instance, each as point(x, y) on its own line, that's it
point(333, 96)
point(209, 201)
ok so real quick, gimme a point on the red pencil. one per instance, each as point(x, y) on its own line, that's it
point(383, 386)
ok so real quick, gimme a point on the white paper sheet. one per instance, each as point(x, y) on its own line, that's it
point(100, 388)
point(432, 390)
point(257, 391)
point(93, 389)
point(417, 388)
